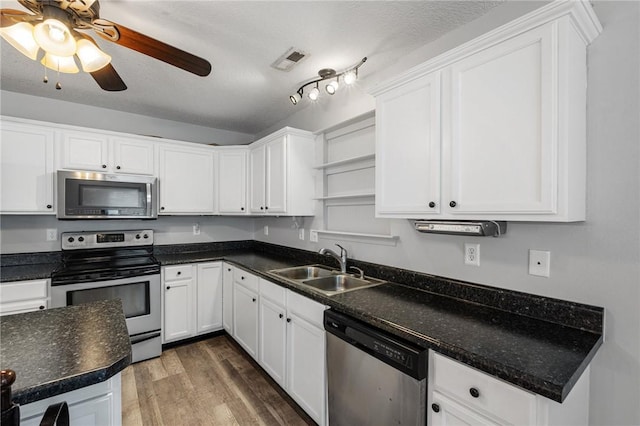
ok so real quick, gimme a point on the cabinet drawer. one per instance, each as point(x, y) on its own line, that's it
point(306, 308)
point(246, 279)
point(273, 292)
point(493, 396)
point(23, 290)
point(180, 272)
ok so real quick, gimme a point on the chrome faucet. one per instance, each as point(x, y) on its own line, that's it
point(342, 258)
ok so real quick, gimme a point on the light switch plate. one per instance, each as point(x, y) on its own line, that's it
point(301, 234)
point(539, 263)
point(52, 234)
point(266, 230)
point(313, 236)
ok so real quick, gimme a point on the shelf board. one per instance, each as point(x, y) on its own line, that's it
point(358, 236)
point(346, 197)
point(346, 161)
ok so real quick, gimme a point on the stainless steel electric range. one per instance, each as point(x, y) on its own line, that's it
point(114, 265)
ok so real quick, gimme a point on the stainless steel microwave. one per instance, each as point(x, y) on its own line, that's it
point(91, 195)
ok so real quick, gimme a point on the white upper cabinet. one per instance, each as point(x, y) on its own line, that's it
point(510, 143)
point(26, 169)
point(133, 156)
point(81, 150)
point(281, 173)
point(232, 181)
point(186, 180)
point(408, 134)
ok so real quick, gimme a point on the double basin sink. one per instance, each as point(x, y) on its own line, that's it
point(325, 280)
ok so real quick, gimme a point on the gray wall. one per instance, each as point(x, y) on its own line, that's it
point(52, 110)
point(21, 234)
point(595, 262)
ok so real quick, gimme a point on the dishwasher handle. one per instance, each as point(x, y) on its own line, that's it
point(393, 351)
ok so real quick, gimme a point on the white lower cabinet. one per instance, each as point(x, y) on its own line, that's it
point(192, 300)
point(17, 297)
point(292, 346)
point(462, 395)
point(95, 405)
point(245, 311)
point(227, 297)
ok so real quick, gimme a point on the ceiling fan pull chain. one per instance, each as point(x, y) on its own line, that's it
point(58, 85)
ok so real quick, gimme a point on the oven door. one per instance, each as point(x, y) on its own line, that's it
point(140, 299)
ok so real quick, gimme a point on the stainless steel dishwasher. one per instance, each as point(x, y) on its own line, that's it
point(373, 377)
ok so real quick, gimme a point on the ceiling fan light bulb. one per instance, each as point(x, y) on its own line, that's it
point(64, 64)
point(350, 77)
point(313, 94)
point(55, 38)
point(20, 36)
point(332, 87)
point(91, 57)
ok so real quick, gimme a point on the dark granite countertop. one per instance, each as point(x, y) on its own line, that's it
point(537, 343)
point(542, 356)
point(59, 350)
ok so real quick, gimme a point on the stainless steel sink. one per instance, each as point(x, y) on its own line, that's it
point(340, 283)
point(324, 280)
point(300, 273)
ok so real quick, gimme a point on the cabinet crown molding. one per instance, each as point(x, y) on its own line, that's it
point(579, 12)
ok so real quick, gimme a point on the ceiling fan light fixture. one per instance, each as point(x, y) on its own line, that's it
point(91, 57)
point(20, 36)
point(64, 64)
point(55, 37)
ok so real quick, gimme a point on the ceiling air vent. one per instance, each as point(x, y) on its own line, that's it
point(289, 59)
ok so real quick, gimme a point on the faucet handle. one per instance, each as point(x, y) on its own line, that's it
point(360, 271)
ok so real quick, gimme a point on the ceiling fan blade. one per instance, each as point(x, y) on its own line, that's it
point(109, 79)
point(9, 17)
point(156, 49)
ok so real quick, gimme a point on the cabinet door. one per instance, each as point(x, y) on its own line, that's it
point(273, 340)
point(133, 156)
point(503, 156)
point(84, 151)
point(186, 180)
point(408, 149)
point(245, 318)
point(209, 297)
point(232, 182)
point(257, 179)
point(445, 412)
point(26, 169)
point(179, 312)
point(276, 176)
point(227, 298)
point(306, 366)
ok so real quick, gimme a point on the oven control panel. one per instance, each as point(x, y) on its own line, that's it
point(106, 239)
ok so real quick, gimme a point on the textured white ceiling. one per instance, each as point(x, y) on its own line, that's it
point(241, 39)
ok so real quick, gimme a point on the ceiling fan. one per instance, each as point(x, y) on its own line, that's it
point(53, 26)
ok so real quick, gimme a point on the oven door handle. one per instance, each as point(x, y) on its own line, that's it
point(144, 337)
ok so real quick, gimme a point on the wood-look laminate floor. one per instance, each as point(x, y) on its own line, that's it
point(209, 382)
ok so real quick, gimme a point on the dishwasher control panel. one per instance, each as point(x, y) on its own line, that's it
point(405, 356)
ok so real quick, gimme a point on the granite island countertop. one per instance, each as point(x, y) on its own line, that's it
point(55, 351)
point(537, 343)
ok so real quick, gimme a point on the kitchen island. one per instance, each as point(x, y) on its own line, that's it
point(72, 354)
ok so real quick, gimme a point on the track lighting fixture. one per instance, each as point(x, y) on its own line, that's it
point(349, 76)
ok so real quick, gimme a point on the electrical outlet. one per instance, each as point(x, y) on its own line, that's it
point(472, 254)
point(266, 230)
point(301, 234)
point(52, 234)
point(313, 236)
point(196, 229)
point(539, 263)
